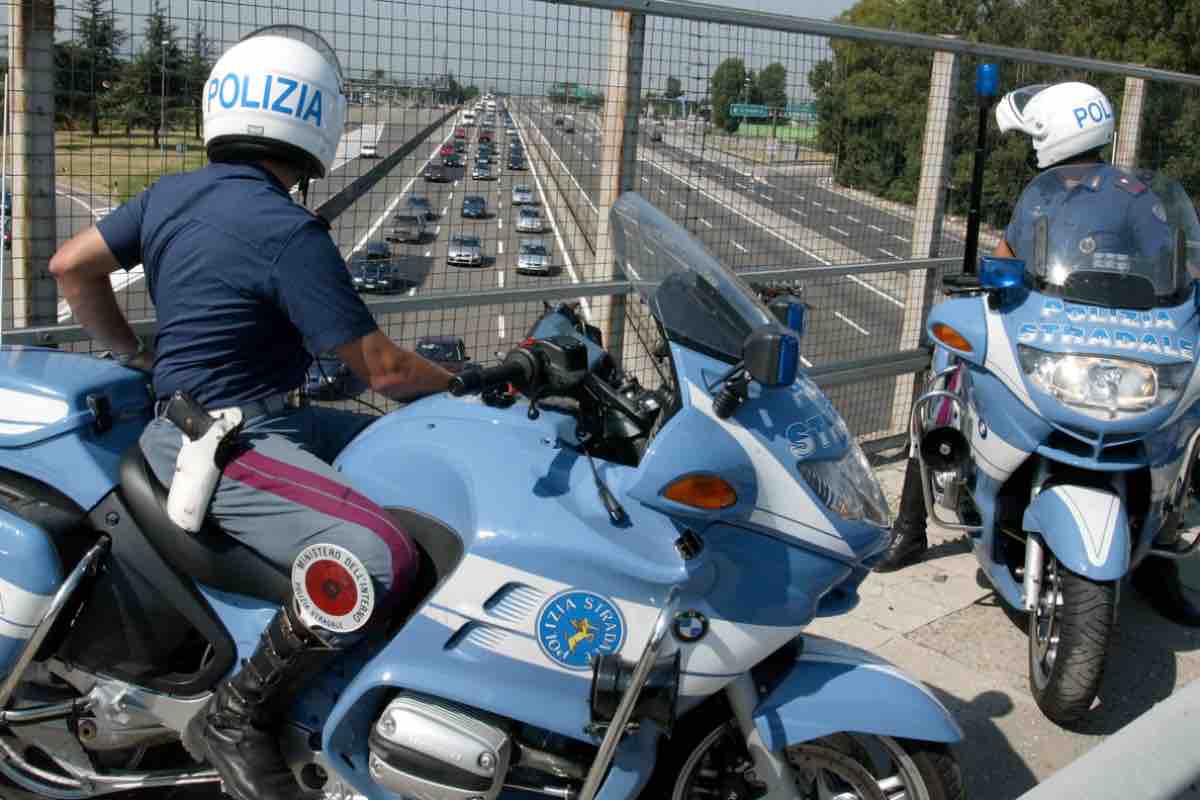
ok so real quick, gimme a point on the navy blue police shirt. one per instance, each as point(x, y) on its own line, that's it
point(246, 283)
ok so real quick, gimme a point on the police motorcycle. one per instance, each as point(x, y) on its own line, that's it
point(1060, 424)
point(613, 590)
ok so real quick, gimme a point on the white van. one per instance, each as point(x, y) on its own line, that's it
point(468, 117)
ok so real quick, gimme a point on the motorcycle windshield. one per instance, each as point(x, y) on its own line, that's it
point(700, 304)
point(1099, 235)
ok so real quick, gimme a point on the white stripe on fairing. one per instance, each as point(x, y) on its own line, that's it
point(1095, 514)
point(995, 456)
point(31, 408)
point(1001, 359)
point(20, 610)
point(13, 429)
point(779, 492)
point(729, 649)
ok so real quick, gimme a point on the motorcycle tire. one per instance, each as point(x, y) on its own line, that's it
point(708, 752)
point(1068, 642)
point(1161, 582)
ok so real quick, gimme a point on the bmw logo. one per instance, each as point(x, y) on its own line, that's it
point(576, 626)
point(690, 626)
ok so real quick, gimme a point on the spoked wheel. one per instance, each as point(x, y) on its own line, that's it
point(1069, 630)
point(717, 766)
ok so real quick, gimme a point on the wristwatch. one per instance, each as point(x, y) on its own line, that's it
point(125, 358)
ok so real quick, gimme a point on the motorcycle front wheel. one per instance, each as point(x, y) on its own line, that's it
point(707, 758)
point(1069, 631)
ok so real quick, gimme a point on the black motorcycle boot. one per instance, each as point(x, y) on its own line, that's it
point(1163, 581)
point(237, 731)
point(909, 540)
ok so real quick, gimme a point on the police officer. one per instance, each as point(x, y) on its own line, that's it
point(247, 283)
point(1070, 125)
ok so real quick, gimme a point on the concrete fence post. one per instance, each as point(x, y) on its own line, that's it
point(31, 76)
point(936, 165)
point(618, 159)
point(1129, 132)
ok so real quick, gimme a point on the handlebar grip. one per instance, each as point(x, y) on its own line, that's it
point(474, 381)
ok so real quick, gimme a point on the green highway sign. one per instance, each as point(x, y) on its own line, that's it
point(747, 110)
point(801, 111)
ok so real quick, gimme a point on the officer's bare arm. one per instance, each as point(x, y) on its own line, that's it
point(81, 267)
point(391, 370)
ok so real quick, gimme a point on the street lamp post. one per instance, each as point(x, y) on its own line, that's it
point(162, 102)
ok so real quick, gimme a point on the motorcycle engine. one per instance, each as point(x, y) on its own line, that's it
point(428, 749)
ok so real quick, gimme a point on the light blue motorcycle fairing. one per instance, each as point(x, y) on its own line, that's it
point(834, 687)
point(58, 425)
point(961, 314)
point(30, 574)
point(1086, 529)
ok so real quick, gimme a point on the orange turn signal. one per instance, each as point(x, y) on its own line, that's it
point(701, 491)
point(950, 337)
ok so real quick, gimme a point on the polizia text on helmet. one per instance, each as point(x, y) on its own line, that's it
point(276, 94)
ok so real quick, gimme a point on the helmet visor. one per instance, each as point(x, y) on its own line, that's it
point(309, 37)
point(1010, 112)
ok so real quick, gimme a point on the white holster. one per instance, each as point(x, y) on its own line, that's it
point(198, 468)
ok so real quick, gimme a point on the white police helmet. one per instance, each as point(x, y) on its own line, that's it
point(1063, 119)
point(273, 95)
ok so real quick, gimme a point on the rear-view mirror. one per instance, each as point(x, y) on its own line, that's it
point(772, 356)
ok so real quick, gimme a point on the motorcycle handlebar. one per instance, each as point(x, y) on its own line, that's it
point(516, 369)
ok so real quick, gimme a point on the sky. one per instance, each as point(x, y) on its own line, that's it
point(512, 45)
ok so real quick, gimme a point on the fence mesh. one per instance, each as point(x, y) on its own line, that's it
point(778, 151)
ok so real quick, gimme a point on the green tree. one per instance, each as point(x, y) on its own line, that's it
point(772, 85)
point(196, 69)
point(88, 64)
point(725, 88)
point(674, 88)
point(156, 72)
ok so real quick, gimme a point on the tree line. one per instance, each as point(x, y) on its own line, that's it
point(871, 99)
point(93, 82)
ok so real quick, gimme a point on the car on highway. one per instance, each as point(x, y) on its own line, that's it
point(328, 378)
point(486, 135)
point(483, 172)
point(474, 206)
point(568, 124)
point(656, 134)
point(529, 220)
point(558, 121)
point(387, 277)
point(468, 118)
point(483, 158)
point(446, 149)
point(460, 145)
point(521, 194)
point(452, 160)
point(460, 133)
point(360, 260)
point(369, 151)
point(516, 163)
point(407, 228)
point(465, 250)
point(419, 204)
point(436, 173)
point(448, 351)
point(533, 257)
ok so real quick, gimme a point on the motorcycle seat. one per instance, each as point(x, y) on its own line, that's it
point(210, 556)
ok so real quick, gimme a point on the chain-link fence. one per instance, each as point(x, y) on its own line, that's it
point(484, 143)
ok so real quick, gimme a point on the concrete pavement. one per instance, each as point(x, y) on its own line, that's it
point(941, 624)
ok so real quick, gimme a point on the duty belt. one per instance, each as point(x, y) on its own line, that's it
point(272, 404)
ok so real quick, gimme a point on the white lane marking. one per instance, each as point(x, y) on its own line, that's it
point(662, 191)
point(562, 247)
point(875, 228)
point(681, 205)
point(428, 253)
point(645, 180)
point(805, 361)
point(890, 253)
point(500, 222)
point(836, 229)
point(765, 196)
point(854, 219)
point(500, 276)
point(412, 291)
point(396, 200)
point(706, 222)
point(444, 210)
point(852, 323)
point(500, 250)
point(798, 211)
point(832, 210)
point(817, 203)
point(500, 324)
point(738, 246)
point(898, 236)
point(437, 231)
point(570, 174)
point(595, 165)
point(876, 290)
point(95, 212)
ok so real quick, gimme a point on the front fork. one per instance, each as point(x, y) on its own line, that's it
point(771, 768)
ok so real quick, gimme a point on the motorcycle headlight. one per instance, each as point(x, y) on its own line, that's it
point(848, 486)
point(1103, 387)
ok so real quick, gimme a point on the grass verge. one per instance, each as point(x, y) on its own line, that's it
point(119, 166)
